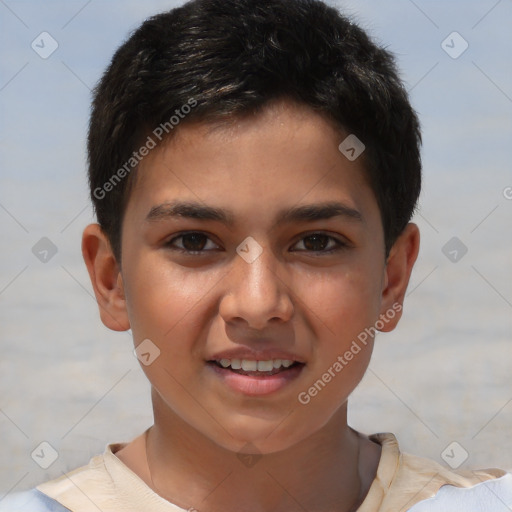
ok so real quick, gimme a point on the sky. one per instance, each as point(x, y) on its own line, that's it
point(454, 57)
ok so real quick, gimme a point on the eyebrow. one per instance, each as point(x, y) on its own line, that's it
point(195, 210)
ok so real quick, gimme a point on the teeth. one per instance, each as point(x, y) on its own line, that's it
point(249, 365)
point(235, 364)
point(265, 366)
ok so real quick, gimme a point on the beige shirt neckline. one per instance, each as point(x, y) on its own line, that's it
point(401, 481)
point(134, 487)
point(113, 487)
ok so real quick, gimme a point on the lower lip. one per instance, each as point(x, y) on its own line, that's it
point(256, 385)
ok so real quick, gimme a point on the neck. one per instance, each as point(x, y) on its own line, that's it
point(329, 471)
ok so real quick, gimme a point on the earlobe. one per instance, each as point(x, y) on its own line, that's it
point(106, 278)
point(398, 270)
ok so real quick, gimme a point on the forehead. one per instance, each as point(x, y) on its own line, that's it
point(285, 155)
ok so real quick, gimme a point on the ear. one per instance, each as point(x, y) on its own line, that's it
point(401, 259)
point(106, 278)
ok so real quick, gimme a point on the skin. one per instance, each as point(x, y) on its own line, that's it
point(293, 297)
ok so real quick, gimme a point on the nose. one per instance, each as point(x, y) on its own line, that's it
point(255, 293)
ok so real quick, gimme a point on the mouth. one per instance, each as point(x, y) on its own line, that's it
point(256, 368)
point(256, 377)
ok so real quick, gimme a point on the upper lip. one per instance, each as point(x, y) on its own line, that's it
point(255, 355)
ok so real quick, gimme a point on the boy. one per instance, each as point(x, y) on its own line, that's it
point(260, 128)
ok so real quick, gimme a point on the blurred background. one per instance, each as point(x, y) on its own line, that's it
point(442, 381)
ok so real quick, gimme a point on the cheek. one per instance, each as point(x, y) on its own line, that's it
point(345, 301)
point(167, 306)
point(164, 301)
point(344, 308)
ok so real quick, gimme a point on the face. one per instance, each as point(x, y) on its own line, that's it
point(252, 259)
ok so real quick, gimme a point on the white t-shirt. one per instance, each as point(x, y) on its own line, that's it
point(403, 483)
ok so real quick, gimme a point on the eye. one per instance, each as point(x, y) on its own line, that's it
point(192, 243)
point(195, 242)
point(317, 242)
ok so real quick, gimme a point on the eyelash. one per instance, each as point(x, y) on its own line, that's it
point(339, 244)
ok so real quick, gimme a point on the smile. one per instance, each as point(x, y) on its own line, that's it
point(256, 377)
point(249, 365)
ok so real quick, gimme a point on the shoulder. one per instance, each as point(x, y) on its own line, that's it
point(30, 501)
point(415, 484)
point(444, 489)
point(495, 495)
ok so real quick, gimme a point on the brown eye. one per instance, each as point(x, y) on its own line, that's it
point(320, 242)
point(193, 242)
point(316, 242)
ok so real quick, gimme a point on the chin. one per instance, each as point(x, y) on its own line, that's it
point(250, 434)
